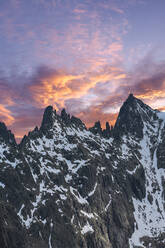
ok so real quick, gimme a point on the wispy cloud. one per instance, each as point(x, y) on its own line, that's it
point(6, 115)
point(50, 86)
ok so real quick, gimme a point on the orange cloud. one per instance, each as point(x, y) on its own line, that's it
point(6, 115)
point(151, 94)
point(151, 89)
point(57, 87)
point(54, 89)
point(161, 109)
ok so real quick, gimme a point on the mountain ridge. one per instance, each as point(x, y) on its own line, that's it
point(96, 128)
point(66, 186)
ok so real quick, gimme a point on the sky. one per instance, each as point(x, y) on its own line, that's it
point(82, 55)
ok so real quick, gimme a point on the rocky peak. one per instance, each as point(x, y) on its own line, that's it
point(107, 131)
point(65, 117)
point(53, 120)
point(132, 116)
point(47, 121)
point(6, 135)
point(96, 129)
point(131, 98)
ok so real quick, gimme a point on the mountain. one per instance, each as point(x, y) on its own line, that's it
point(66, 186)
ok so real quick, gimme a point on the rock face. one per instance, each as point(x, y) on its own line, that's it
point(65, 186)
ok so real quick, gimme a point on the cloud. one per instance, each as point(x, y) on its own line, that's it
point(26, 119)
point(6, 115)
point(147, 81)
point(162, 109)
point(55, 87)
point(151, 87)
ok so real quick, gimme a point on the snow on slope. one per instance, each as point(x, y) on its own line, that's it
point(51, 157)
point(62, 141)
point(149, 217)
point(149, 213)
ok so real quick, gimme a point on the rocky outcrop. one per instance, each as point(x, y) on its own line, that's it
point(132, 116)
point(97, 129)
point(47, 121)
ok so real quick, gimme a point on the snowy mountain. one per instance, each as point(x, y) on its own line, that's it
point(66, 186)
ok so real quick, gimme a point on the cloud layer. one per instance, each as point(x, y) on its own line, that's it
point(91, 96)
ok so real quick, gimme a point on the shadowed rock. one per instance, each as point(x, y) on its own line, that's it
point(6, 135)
point(47, 121)
point(96, 129)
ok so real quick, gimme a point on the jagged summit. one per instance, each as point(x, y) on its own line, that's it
point(97, 129)
point(133, 103)
point(130, 119)
point(50, 117)
point(132, 115)
point(47, 120)
point(65, 117)
point(131, 97)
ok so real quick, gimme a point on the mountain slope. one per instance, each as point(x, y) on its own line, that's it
point(65, 186)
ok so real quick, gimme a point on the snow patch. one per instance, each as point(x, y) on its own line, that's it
point(109, 203)
point(78, 197)
point(2, 185)
point(88, 215)
point(87, 228)
point(93, 191)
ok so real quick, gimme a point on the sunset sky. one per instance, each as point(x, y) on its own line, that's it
point(84, 55)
